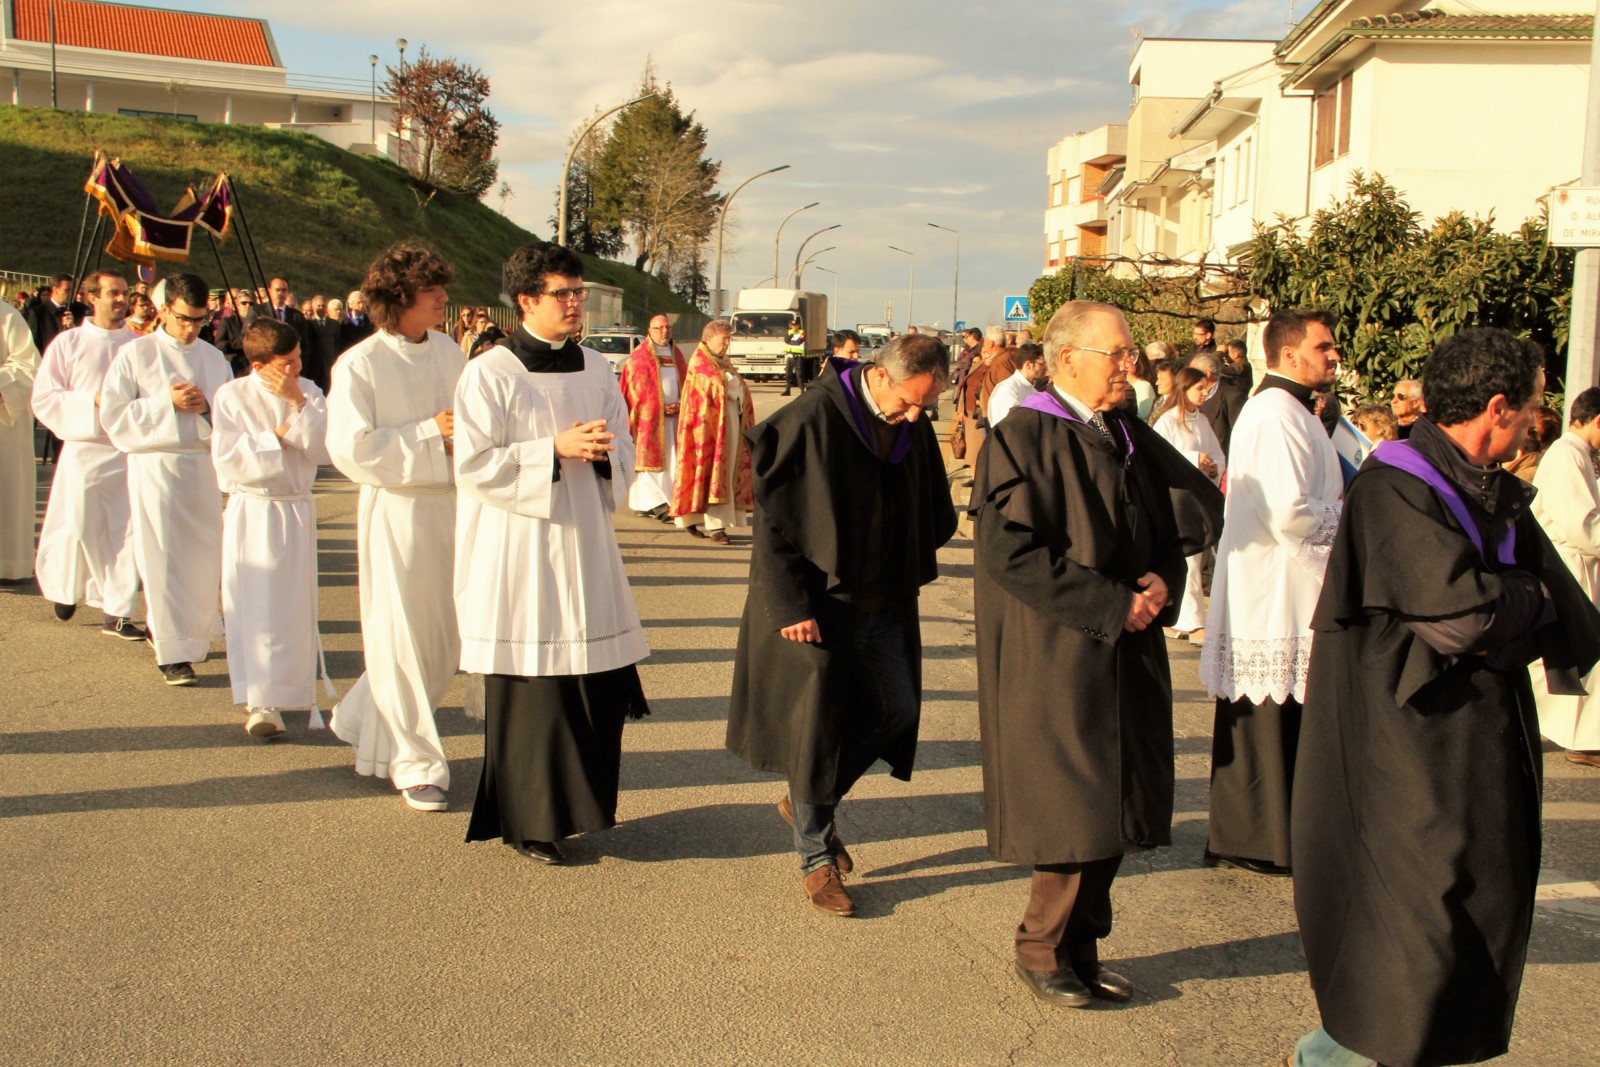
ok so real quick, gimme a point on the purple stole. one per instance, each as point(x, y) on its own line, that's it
point(1045, 401)
point(902, 442)
point(1402, 456)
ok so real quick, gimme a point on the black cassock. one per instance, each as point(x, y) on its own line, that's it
point(1075, 714)
point(846, 511)
point(1416, 832)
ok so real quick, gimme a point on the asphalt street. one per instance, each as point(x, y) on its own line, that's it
point(176, 891)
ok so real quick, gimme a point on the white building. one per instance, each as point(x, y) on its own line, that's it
point(124, 59)
point(1075, 221)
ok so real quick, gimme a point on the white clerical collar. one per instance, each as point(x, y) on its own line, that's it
point(172, 342)
point(866, 393)
point(1079, 408)
point(663, 351)
point(102, 330)
point(553, 344)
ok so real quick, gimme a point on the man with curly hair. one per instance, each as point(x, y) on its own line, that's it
point(391, 423)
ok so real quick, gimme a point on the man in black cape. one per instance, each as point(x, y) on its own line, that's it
point(1083, 520)
point(851, 506)
point(1416, 832)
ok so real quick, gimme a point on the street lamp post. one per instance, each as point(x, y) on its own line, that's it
point(400, 147)
point(722, 216)
point(374, 133)
point(955, 293)
point(401, 44)
point(800, 271)
point(566, 168)
point(911, 293)
point(833, 308)
point(779, 236)
point(794, 280)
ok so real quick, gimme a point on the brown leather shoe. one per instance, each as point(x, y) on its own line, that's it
point(841, 858)
point(826, 891)
point(717, 537)
point(1584, 759)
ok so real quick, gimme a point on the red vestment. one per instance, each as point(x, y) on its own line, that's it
point(641, 388)
point(703, 459)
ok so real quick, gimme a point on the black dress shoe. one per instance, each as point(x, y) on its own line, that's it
point(1060, 988)
point(1108, 985)
point(543, 851)
point(1240, 863)
point(66, 611)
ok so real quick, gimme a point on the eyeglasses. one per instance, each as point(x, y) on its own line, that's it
point(568, 296)
point(1121, 355)
point(1406, 396)
point(192, 320)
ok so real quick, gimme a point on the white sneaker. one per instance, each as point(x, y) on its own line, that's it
point(426, 798)
point(264, 723)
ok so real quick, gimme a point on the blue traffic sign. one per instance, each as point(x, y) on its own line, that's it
point(961, 324)
point(1018, 309)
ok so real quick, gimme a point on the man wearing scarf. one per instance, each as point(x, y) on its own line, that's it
point(543, 462)
point(851, 506)
point(711, 490)
point(1417, 803)
point(651, 381)
point(1083, 519)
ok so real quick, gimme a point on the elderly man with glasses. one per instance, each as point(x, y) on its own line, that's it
point(1407, 404)
point(651, 381)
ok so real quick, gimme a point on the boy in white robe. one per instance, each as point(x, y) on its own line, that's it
point(19, 359)
point(268, 436)
point(390, 427)
point(85, 549)
point(155, 405)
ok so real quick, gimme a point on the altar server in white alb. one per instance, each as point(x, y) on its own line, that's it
point(1285, 493)
point(390, 423)
point(1568, 508)
point(543, 462)
point(268, 436)
point(85, 550)
point(19, 360)
point(155, 405)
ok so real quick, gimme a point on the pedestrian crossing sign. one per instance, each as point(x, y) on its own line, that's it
point(1017, 309)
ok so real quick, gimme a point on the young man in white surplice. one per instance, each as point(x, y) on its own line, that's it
point(390, 424)
point(543, 462)
point(155, 405)
point(268, 436)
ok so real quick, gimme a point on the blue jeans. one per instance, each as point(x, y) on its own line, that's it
point(1319, 1049)
point(886, 705)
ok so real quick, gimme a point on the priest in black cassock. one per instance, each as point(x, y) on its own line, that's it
point(543, 460)
point(1416, 833)
point(851, 506)
point(1083, 519)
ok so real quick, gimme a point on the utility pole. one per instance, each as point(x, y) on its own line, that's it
point(722, 216)
point(955, 292)
point(53, 104)
point(1584, 339)
point(777, 237)
point(911, 291)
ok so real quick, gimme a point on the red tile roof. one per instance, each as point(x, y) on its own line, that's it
point(146, 31)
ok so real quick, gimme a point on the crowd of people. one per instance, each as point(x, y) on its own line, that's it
point(488, 488)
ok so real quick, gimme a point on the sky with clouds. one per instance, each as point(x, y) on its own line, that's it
point(891, 113)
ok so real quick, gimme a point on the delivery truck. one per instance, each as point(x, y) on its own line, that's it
point(770, 324)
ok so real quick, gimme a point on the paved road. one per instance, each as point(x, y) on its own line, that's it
point(178, 892)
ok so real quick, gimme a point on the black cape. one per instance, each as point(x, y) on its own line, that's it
point(1416, 832)
point(1076, 715)
point(821, 490)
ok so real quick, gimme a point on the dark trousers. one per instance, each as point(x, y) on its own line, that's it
point(1069, 911)
point(797, 372)
point(886, 706)
point(1253, 750)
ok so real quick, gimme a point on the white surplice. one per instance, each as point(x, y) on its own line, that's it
point(1568, 508)
point(653, 489)
point(269, 539)
point(382, 435)
point(1285, 491)
point(172, 486)
point(540, 587)
point(19, 360)
point(1193, 436)
point(85, 547)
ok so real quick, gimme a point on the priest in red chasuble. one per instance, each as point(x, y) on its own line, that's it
point(651, 381)
point(712, 489)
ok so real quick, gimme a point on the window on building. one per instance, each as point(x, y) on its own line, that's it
point(1331, 115)
point(1050, 250)
point(1219, 188)
point(1242, 172)
point(1055, 194)
point(136, 114)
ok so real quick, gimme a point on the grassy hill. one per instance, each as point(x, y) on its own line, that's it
point(319, 214)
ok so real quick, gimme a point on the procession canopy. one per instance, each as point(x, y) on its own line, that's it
point(141, 233)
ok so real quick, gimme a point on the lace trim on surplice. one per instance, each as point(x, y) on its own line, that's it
point(1255, 668)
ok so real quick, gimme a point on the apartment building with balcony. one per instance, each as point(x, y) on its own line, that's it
point(1075, 220)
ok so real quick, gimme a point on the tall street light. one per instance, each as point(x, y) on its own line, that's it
point(955, 293)
point(800, 271)
point(833, 308)
point(722, 216)
point(779, 236)
point(400, 149)
point(794, 281)
point(374, 61)
point(566, 168)
point(911, 295)
point(401, 44)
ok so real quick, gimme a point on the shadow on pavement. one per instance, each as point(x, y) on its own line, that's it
point(1158, 976)
point(300, 786)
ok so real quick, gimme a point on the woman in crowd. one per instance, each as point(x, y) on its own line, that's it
point(1190, 432)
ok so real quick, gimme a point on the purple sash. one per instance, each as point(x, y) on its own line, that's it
point(1402, 456)
point(1046, 401)
point(902, 442)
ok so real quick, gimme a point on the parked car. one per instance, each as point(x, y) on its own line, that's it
point(615, 343)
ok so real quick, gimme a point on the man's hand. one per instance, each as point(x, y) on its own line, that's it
point(1147, 603)
point(1208, 466)
point(804, 632)
point(281, 384)
point(586, 441)
point(446, 421)
point(186, 397)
